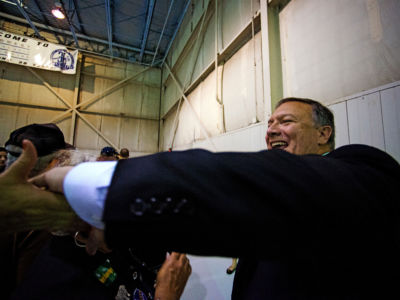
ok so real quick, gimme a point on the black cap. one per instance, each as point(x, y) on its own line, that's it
point(47, 138)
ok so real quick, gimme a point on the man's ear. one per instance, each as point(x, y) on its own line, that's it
point(324, 133)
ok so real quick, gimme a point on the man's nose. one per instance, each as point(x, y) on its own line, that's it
point(273, 130)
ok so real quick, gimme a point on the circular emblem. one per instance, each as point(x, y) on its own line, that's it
point(62, 59)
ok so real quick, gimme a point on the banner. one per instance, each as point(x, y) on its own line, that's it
point(22, 50)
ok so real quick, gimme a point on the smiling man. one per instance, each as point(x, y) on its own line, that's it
point(301, 126)
point(306, 221)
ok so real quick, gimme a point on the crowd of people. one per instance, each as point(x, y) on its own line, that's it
point(37, 264)
point(306, 220)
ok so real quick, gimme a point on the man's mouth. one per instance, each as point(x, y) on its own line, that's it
point(279, 145)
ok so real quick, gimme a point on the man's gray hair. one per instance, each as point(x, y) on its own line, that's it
point(322, 115)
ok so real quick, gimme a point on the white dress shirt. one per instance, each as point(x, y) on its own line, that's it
point(85, 188)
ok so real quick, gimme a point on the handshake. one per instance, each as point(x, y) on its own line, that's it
point(38, 203)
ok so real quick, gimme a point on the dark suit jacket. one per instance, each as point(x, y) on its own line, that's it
point(304, 227)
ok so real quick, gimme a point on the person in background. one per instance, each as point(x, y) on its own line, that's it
point(124, 153)
point(108, 154)
point(3, 159)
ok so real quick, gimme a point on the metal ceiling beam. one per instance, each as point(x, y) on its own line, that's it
point(77, 15)
point(176, 30)
point(45, 19)
point(81, 36)
point(147, 27)
point(162, 31)
point(71, 27)
point(109, 26)
point(27, 18)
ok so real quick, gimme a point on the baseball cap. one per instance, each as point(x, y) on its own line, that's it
point(47, 138)
point(108, 151)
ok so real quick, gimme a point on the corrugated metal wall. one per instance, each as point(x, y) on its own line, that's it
point(192, 62)
point(319, 61)
point(128, 116)
point(117, 112)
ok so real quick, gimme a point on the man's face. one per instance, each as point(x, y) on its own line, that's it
point(3, 158)
point(291, 128)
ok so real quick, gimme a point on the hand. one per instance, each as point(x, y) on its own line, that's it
point(52, 179)
point(172, 277)
point(24, 206)
point(94, 242)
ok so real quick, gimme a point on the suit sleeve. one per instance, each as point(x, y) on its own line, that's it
point(233, 204)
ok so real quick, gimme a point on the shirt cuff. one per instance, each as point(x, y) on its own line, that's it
point(85, 188)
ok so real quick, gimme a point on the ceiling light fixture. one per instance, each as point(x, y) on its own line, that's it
point(57, 11)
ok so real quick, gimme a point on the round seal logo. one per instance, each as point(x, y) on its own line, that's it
point(62, 59)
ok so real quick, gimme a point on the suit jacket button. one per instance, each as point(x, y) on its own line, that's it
point(138, 207)
point(180, 205)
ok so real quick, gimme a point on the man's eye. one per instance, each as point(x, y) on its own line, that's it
point(287, 121)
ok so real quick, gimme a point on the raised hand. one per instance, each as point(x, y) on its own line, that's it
point(172, 277)
point(23, 206)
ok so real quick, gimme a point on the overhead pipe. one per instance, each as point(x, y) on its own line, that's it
point(218, 99)
point(254, 60)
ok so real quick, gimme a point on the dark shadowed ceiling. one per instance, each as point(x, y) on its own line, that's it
point(140, 31)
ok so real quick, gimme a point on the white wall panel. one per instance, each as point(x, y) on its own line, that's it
point(87, 139)
point(18, 85)
point(206, 109)
point(390, 99)
point(333, 49)
point(187, 65)
point(134, 106)
point(365, 121)
point(371, 117)
point(251, 138)
point(242, 96)
point(91, 86)
point(208, 279)
point(341, 125)
point(234, 16)
point(242, 88)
